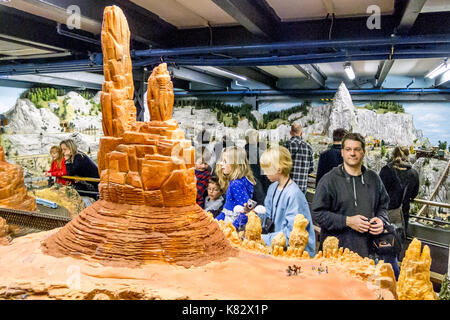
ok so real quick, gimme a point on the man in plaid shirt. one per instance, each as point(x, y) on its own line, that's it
point(302, 157)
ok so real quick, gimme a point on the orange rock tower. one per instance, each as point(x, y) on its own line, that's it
point(414, 279)
point(147, 210)
point(13, 193)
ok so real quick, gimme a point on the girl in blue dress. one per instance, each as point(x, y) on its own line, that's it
point(236, 177)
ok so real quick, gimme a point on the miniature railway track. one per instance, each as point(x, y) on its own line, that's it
point(33, 219)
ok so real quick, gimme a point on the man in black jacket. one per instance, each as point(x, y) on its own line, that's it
point(332, 157)
point(351, 202)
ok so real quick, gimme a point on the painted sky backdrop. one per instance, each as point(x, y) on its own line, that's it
point(433, 118)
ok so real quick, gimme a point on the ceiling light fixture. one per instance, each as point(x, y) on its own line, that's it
point(443, 67)
point(225, 72)
point(349, 71)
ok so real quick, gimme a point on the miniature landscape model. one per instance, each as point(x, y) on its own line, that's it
point(146, 238)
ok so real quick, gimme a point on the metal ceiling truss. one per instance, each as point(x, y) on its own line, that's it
point(408, 12)
point(407, 47)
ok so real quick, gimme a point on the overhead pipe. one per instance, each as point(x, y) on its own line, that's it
point(311, 92)
point(274, 61)
point(76, 36)
point(96, 60)
point(392, 41)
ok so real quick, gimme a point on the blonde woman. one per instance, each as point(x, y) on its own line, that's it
point(79, 164)
point(284, 198)
point(236, 177)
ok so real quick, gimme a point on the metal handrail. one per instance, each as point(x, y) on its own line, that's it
point(429, 219)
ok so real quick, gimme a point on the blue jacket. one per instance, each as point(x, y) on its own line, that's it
point(292, 202)
point(238, 193)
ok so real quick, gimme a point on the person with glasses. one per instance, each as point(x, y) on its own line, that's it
point(351, 202)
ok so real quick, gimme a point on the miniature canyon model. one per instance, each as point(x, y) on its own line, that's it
point(13, 193)
point(146, 238)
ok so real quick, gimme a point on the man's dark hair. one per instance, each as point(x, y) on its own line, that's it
point(355, 137)
point(339, 134)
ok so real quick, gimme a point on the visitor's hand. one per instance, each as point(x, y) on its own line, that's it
point(376, 226)
point(358, 223)
point(47, 174)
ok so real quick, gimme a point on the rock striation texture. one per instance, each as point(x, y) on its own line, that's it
point(13, 193)
point(414, 280)
point(147, 210)
point(298, 238)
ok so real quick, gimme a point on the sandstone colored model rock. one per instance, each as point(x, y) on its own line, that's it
point(414, 281)
point(298, 239)
point(147, 210)
point(160, 96)
point(13, 193)
point(253, 228)
point(330, 244)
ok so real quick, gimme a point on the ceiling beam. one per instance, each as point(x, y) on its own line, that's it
point(144, 26)
point(441, 79)
point(255, 74)
point(312, 73)
point(31, 29)
point(198, 76)
point(254, 15)
point(383, 70)
point(53, 81)
point(411, 12)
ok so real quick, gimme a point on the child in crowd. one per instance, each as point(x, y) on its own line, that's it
point(284, 198)
point(236, 177)
point(202, 175)
point(58, 167)
point(214, 200)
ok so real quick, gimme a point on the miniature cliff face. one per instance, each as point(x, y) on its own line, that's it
point(118, 110)
point(279, 240)
point(298, 238)
point(253, 228)
point(160, 96)
point(147, 211)
point(414, 280)
point(13, 193)
point(329, 245)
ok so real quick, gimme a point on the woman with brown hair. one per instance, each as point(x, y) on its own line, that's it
point(402, 185)
point(79, 164)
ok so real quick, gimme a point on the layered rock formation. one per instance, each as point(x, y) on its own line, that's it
point(13, 193)
point(147, 212)
point(298, 239)
point(330, 244)
point(4, 230)
point(414, 280)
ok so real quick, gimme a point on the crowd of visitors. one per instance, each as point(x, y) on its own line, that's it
point(351, 202)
